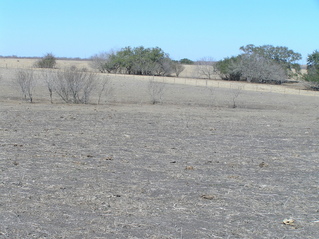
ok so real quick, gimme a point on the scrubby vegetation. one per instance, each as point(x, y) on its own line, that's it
point(25, 83)
point(261, 64)
point(137, 61)
point(76, 86)
point(72, 85)
point(258, 64)
point(48, 61)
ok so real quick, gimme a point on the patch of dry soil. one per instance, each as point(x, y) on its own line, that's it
point(190, 167)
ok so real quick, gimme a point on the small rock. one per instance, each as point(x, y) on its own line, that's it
point(189, 168)
point(288, 221)
point(208, 197)
point(263, 164)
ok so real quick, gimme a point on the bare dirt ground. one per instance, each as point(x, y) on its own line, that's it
point(190, 167)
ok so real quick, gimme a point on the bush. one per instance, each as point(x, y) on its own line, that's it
point(186, 61)
point(26, 82)
point(228, 68)
point(48, 61)
point(74, 86)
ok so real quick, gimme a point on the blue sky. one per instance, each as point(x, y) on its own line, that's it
point(183, 28)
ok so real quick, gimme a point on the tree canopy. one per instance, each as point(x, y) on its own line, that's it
point(137, 61)
point(186, 61)
point(312, 76)
point(263, 64)
point(280, 54)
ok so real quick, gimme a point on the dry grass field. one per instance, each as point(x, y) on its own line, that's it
point(189, 167)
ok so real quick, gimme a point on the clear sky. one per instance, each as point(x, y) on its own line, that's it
point(183, 28)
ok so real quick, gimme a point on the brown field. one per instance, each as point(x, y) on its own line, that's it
point(189, 167)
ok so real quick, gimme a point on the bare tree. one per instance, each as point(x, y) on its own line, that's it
point(49, 80)
point(104, 88)
point(163, 67)
point(205, 68)
point(155, 90)
point(26, 82)
point(177, 68)
point(235, 93)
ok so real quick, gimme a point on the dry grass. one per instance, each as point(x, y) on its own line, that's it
point(185, 168)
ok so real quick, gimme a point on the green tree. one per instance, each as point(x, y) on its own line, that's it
point(104, 62)
point(48, 61)
point(313, 61)
point(228, 68)
point(138, 61)
point(186, 61)
point(312, 76)
point(282, 55)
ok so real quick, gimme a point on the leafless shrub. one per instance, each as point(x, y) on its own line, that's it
point(104, 88)
point(74, 86)
point(177, 68)
point(155, 90)
point(211, 95)
point(311, 85)
point(26, 82)
point(49, 80)
point(163, 67)
point(205, 68)
point(235, 93)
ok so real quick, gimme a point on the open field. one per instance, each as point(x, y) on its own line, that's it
point(189, 167)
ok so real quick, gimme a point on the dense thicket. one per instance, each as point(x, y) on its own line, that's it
point(263, 64)
point(48, 61)
point(137, 61)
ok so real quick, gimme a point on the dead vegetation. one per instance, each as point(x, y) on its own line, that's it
point(185, 168)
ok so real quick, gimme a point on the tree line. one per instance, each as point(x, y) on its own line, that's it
point(260, 64)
